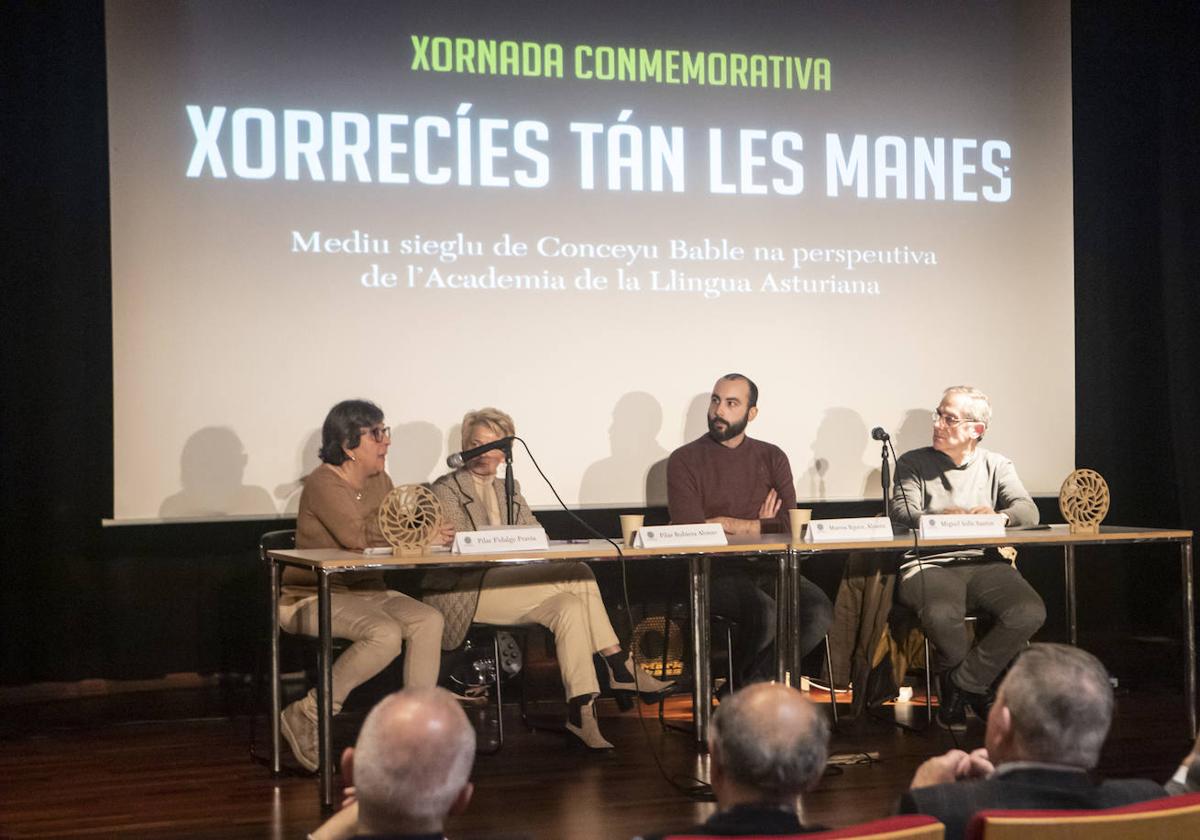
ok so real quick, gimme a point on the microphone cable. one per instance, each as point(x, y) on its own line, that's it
point(700, 789)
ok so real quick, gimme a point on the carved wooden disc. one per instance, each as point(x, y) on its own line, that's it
point(410, 516)
point(1083, 500)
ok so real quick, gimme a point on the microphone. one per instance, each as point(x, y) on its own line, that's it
point(885, 467)
point(459, 458)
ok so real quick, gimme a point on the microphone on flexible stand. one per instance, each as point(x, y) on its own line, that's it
point(459, 458)
point(885, 468)
point(505, 443)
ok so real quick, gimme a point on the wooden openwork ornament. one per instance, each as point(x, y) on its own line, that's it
point(1083, 500)
point(409, 517)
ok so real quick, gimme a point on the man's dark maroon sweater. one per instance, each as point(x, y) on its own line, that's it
point(707, 479)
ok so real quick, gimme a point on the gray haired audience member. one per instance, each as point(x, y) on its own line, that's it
point(409, 769)
point(1044, 735)
point(768, 744)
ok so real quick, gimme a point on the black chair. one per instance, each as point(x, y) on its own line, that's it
point(906, 616)
point(490, 635)
point(729, 627)
point(718, 623)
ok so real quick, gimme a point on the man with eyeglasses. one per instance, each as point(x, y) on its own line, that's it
point(958, 475)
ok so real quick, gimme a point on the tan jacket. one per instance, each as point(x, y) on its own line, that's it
point(455, 594)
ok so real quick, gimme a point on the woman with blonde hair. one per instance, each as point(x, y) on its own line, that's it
point(562, 597)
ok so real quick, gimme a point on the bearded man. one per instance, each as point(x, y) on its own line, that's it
point(745, 485)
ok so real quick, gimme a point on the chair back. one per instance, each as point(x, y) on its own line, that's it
point(276, 541)
point(905, 827)
point(1169, 817)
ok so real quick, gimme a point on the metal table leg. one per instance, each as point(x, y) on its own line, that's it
point(274, 571)
point(325, 692)
point(698, 581)
point(1069, 570)
point(783, 609)
point(795, 656)
point(1189, 633)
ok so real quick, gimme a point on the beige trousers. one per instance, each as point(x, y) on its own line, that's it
point(378, 622)
point(562, 597)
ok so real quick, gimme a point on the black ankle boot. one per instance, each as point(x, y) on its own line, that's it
point(951, 713)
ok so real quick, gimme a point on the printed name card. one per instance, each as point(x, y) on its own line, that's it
point(493, 540)
point(678, 536)
point(861, 528)
point(951, 526)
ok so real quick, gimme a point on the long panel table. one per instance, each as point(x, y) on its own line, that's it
point(327, 563)
point(789, 558)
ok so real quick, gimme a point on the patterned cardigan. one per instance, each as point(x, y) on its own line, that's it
point(455, 594)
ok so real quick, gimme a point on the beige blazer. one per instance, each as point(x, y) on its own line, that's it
point(455, 594)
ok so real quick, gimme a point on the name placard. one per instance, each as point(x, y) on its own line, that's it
point(954, 525)
point(872, 528)
point(493, 540)
point(677, 536)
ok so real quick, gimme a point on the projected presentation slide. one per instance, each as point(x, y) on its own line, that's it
point(583, 214)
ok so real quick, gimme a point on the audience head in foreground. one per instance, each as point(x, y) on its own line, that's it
point(1055, 706)
point(411, 765)
point(1045, 732)
point(768, 744)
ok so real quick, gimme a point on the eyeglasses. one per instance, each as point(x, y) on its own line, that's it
point(950, 419)
point(379, 433)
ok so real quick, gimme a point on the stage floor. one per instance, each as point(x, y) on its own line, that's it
point(69, 770)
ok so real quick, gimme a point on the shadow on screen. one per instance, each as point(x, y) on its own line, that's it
point(636, 469)
point(211, 469)
point(695, 422)
point(416, 451)
point(841, 447)
point(915, 430)
point(308, 458)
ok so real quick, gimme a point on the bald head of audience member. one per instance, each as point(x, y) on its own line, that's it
point(1055, 705)
point(411, 766)
point(768, 745)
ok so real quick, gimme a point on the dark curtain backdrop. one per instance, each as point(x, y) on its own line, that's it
point(78, 601)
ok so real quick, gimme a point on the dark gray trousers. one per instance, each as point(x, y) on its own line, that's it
point(942, 593)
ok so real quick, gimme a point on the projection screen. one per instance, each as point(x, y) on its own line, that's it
point(582, 213)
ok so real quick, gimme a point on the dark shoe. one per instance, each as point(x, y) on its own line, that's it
point(952, 712)
point(980, 704)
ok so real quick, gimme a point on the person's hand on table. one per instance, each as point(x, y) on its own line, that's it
point(444, 536)
point(733, 526)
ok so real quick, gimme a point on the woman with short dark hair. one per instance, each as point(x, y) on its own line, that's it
point(338, 509)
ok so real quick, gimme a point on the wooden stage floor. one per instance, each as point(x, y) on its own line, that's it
point(73, 769)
